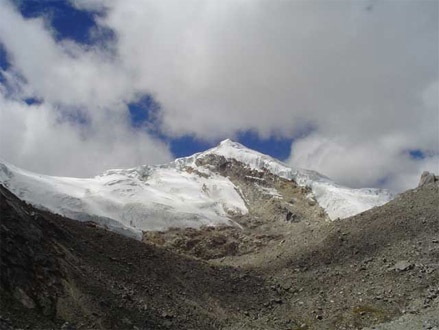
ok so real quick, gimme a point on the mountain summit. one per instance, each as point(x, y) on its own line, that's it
point(210, 188)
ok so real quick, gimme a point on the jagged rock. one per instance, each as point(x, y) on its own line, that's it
point(68, 326)
point(403, 265)
point(21, 296)
point(427, 178)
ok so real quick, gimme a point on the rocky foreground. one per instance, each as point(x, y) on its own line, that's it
point(281, 270)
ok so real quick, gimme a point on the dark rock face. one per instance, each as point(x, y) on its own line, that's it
point(30, 269)
point(428, 178)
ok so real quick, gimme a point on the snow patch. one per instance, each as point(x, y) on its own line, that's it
point(269, 191)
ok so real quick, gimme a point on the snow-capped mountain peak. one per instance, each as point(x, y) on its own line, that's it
point(338, 201)
point(188, 192)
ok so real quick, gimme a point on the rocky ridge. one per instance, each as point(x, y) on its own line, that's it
point(427, 178)
point(273, 203)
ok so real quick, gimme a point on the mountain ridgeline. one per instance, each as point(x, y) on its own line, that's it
point(212, 188)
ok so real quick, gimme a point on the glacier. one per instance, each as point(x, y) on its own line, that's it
point(176, 195)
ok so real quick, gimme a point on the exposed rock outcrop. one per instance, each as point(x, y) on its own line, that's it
point(274, 205)
point(427, 178)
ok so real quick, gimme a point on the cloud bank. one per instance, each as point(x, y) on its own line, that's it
point(80, 126)
point(362, 74)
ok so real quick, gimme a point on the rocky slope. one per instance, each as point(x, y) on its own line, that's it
point(55, 270)
point(273, 204)
point(286, 268)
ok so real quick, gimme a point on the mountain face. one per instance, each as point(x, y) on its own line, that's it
point(212, 188)
point(376, 270)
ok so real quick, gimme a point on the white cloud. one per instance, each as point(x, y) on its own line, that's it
point(363, 163)
point(62, 72)
point(361, 72)
point(37, 138)
point(221, 66)
point(66, 76)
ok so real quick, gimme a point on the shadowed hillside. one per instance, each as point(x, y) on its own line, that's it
point(379, 267)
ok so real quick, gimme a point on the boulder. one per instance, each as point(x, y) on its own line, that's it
point(427, 178)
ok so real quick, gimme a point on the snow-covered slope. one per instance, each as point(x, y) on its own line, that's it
point(338, 201)
point(134, 200)
point(179, 194)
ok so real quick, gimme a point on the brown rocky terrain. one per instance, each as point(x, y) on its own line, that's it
point(274, 204)
point(288, 267)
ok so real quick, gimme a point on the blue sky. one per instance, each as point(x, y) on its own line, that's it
point(90, 85)
point(68, 22)
point(140, 116)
